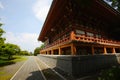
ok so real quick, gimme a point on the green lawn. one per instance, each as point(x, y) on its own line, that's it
point(4, 60)
point(4, 75)
point(19, 58)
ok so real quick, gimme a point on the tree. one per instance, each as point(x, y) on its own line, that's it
point(37, 50)
point(10, 50)
point(1, 33)
point(1, 38)
point(115, 4)
point(24, 53)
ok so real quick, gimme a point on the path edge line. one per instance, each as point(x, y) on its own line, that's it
point(18, 70)
point(53, 70)
point(40, 69)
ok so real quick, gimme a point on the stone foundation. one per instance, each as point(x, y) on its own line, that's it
point(80, 65)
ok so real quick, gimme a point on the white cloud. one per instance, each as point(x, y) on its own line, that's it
point(27, 41)
point(41, 8)
point(1, 6)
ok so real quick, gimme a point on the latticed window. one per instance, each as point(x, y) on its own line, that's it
point(90, 34)
point(80, 32)
point(98, 36)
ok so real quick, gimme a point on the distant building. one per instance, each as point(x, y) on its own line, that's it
point(76, 27)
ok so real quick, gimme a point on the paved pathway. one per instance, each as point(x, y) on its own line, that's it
point(49, 73)
point(35, 69)
point(29, 71)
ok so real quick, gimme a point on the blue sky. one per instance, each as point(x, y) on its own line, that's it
point(23, 20)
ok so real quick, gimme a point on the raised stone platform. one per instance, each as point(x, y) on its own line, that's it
point(81, 65)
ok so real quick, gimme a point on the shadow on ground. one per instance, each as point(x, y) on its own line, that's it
point(36, 75)
point(48, 73)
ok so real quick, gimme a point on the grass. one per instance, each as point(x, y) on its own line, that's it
point(4, 61)
point(19, 58)
point(4, 75)
point(2, 72)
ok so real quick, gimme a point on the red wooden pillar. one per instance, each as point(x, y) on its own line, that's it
point(47, 52)
point(113, 50)
point(60, 52)
point(93, 51)
point(105, 50)
point(73, 49)
point(72, 35)
point(52, 52)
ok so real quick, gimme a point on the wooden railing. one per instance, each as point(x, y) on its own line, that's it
point(83, 38)
point(88, 39)
point(66, 39)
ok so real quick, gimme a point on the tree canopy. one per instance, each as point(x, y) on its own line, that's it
point(1, 38)
point(24, 52)
point(9, 49)
point(1, 33)
point(37, 50)
point(115, 4)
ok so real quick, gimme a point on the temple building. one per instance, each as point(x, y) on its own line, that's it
point(81, 27)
